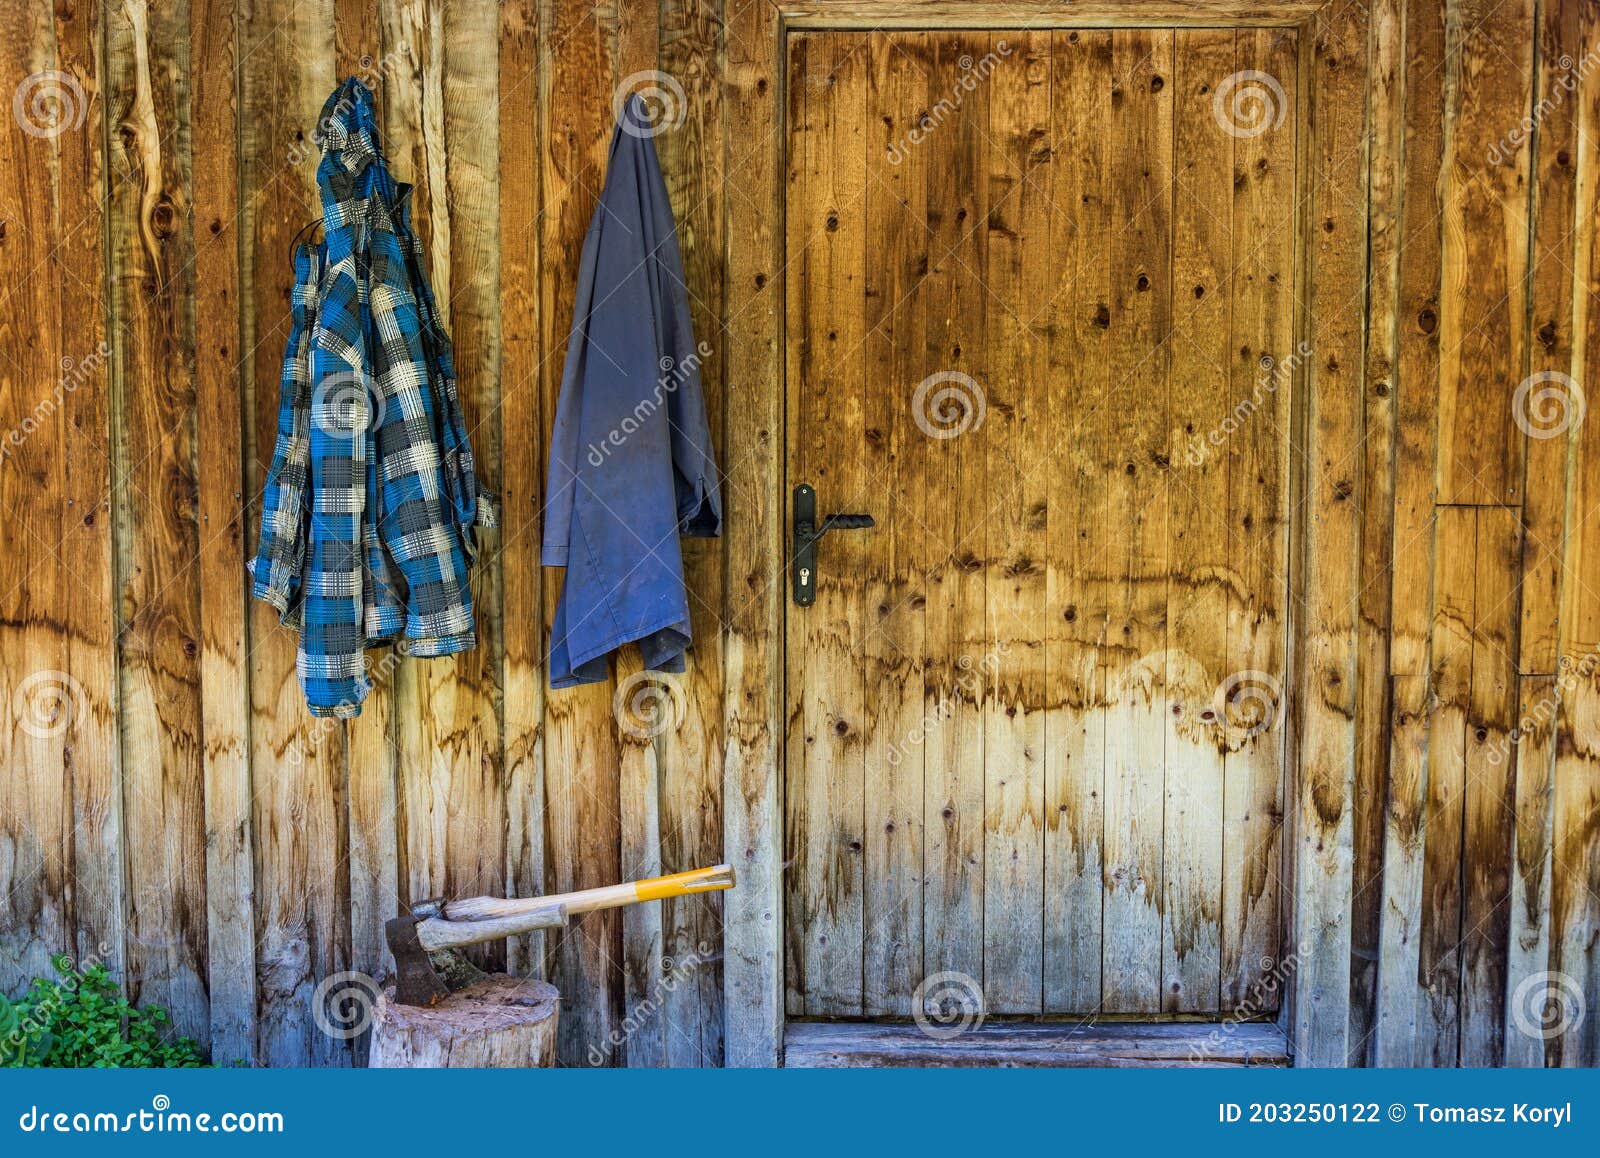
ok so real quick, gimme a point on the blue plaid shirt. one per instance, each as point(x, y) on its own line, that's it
point(369, 515)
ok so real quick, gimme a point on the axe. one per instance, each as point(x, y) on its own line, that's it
point(427, 941)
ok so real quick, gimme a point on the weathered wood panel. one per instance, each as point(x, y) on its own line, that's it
point(1078, 597)
point(1017, 440)
point(188, 809)
point(152, 290)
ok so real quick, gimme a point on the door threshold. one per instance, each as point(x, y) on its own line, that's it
point(873, 1044)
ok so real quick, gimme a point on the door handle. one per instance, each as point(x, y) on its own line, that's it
point(807, 532)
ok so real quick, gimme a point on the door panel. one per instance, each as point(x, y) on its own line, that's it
point(1034, 741)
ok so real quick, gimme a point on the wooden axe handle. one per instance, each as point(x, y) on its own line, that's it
point(700, 880)
point(441, 933)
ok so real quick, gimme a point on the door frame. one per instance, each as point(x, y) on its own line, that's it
point(1324, 531)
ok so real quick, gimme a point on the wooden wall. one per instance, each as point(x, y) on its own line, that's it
point(167, 804)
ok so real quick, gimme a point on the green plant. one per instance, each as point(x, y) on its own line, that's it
point(81, 1019)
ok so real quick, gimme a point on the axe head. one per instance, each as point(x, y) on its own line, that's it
point(421, 977)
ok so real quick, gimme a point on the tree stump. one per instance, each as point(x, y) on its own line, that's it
point(501, 1022)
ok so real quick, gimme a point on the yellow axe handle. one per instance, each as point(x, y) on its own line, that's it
point(701, 880)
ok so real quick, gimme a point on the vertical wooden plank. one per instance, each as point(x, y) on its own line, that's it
point(1140, 187)
point(896, 260)
point(803, 52)
point(219, 431)
point(1417, 367)
point(1489, 798)
point(1326, 652)
point(1080, 592)
point(1439, 969)
point(83, 355)
point(522, 472)
point(1405, 812)
point(830, 325)
point(1017, 439)
point(1199, 550)
point(1483, 312)
point(299, 819)
point(581, 740)
point(1416, 385)
point(1266, 368)
point(41, 699)
point(1573, 982)
point(1550, 423)
point(451, 797)
point(152, 272)
point(753, 535)
point(358, 42)
point(689, 986)
point(1562, 1004)
point(1533, 747)
point(1384, 239)
point(955, 684)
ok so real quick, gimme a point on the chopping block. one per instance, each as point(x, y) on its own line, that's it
point(498, 1022)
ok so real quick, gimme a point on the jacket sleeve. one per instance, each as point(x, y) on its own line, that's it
point(280, 557)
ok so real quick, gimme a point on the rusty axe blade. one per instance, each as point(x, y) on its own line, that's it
point(426, 947)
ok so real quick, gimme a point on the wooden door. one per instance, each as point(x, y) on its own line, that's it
point(1040, 324)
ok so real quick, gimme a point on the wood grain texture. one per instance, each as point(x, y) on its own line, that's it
point(1267, 368)
point(752, 643)
point(896, 261)
point(1384, 195)
point(41, 698)
point(1454, 622)
point(1135, 462)
point(522, 470)
point(582, 787)
point(1483, 316)
point(1553, 289)
point(1326, 648)
point(688, 985)
point(1078, 592)
point(1202, 582)
point(221, 415)
point(1528, 951)
point(152, 284)
point(92, 776)
point(1441, 835)
point(1018, 441)
point(956, 679)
